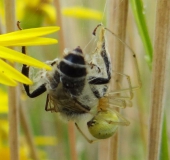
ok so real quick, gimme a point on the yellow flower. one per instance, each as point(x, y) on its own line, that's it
point(2, 12)
point(3, 102)
point(23, 146)
point(8, 75)
point(5, 154)
point(33, 13)
point(45, 140)
point(82, 12)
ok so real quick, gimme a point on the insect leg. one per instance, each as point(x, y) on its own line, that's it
point(25, 71)
point(105, 56)
point(46, 104)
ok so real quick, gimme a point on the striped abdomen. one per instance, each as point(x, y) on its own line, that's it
point(73, 71)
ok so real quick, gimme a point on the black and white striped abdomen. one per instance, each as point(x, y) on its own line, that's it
point(73, 71)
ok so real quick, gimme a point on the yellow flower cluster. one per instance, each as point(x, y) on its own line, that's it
point(82, 12)
point(8, 75)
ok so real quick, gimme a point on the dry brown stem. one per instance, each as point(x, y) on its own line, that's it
point(72, 141)
point(158, 77)
point(117, 18)
point(59, 23)
point(28, 132)
point(12, 97)
point(71, 127)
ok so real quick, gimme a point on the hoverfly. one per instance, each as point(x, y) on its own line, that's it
point(76, 87)
point(71, 88)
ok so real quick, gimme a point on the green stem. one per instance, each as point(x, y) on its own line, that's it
point(164, 141)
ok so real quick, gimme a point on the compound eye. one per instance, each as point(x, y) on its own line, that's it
point(103, 125)
point(79, 50)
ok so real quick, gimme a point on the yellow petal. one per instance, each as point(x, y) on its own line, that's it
point(3, 102)
point(27, 34)
point(10, 54)
point(81, 12)
point(6, 80)
point(31, 42)
point(12, 73)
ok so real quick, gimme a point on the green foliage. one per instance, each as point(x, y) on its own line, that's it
point(138, 12)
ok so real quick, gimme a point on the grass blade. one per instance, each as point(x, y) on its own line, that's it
point(137, 8)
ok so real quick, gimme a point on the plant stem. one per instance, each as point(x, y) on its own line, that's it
point(28, 132)
point(12, 97)
point(71, 126)
point(72, 140)
point(137, 8)
point(164, 154)
point(158, 77)
point(104, 149)
point(13, 124)
point(117, 18)
point(59, 22)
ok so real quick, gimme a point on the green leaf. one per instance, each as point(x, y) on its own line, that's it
point(137, 8)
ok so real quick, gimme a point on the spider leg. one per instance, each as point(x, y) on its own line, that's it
point(139, 85)
point(90, 141)
point(122, 121)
